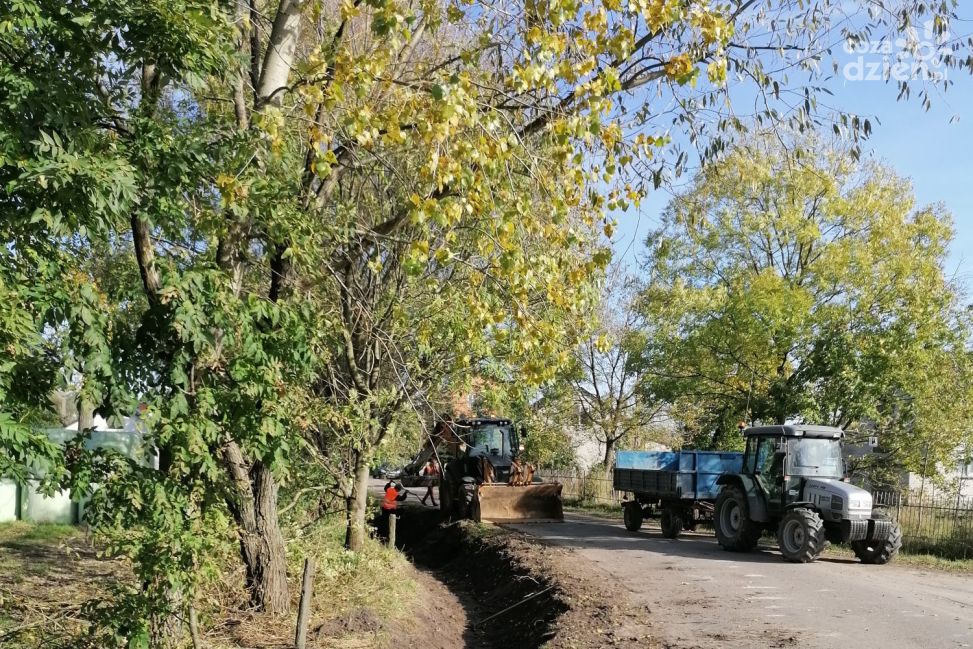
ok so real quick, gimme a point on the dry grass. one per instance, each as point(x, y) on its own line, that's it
point(350, 591)
point(47, 572)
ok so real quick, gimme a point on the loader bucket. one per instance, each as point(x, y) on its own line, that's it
point(536, 503)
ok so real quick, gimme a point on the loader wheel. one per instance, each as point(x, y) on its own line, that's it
point(879, 553)
point(632, 514)
point(734, 529)
point(445, 502)
point(801, 535)
point(671, 522)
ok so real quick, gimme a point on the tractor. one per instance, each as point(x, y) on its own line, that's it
point(792, 482)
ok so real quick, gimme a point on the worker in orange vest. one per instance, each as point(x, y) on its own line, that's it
point(394, 494)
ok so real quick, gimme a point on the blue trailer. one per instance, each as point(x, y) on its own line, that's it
point(679, 485)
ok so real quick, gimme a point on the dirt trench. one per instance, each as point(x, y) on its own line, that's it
point(518, 592)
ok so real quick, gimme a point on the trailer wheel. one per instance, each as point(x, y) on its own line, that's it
point(671, 522)
point(731, 520)
point(632, 515)
point(801, 535)
point(879, 553)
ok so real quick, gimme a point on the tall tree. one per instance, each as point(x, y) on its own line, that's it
point(278, 169)
point(607, 387)
point(794, 281)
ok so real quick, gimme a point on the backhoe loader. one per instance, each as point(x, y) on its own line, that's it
point(486, 481)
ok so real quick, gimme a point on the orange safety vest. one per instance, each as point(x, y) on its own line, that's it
point(389, 502)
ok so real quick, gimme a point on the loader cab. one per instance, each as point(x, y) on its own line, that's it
point(496, 439)
point(781, 458)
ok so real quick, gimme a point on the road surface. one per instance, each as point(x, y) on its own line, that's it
point(702, 597)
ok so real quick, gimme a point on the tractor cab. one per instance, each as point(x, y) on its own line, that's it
point(782, 458)
point(495, 439)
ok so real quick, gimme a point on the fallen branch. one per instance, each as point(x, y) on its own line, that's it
point(297, 497)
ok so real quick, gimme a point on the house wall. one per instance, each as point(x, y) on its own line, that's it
point(950, 484)
point(587, 450)
point(952, 481)
point(9, 501)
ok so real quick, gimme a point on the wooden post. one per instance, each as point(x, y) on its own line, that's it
point(194, 628)
point(300, 640)
point(392, 519)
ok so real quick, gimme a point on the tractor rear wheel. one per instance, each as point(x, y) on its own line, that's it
point(632, 515)
point(671, 522)
point(879, 552)
point(801, 535)
point(734, 529)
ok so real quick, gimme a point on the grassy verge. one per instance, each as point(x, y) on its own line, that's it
point(47, 572)
point(356, 596)
point(914, 560)
point(21, 532)
point(602, 510)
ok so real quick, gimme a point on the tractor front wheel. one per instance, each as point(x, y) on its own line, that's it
point(632, 515)
point(801, 535)
point(879, 552)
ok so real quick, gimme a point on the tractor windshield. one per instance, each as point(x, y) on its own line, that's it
point(812, 457)
point(490, 439)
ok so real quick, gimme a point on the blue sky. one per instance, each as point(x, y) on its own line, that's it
point(925, 146)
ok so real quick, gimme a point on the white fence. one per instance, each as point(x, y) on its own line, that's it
point(25, 502)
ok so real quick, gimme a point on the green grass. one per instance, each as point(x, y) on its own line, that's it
point(932, 562)
point(603, 510)
point(913, 560)
point(482, 531)
point(375, 578)
point(23, 532)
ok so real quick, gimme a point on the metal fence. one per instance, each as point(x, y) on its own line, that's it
point(933, 523)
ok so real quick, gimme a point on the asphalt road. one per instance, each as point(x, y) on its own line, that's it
point(703, 597)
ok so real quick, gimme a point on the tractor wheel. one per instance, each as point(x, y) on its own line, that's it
point(879, 552)
point(801, 535)
point(731, 520)
point(473, 508)
point(632, 514)
point(445, 499)
point(470, 504)
point(671, 522)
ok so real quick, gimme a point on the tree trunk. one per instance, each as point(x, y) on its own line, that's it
point(609, 451)
point(262, 547)
point(358, 505)
point(167, 631)
point(86, 415)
